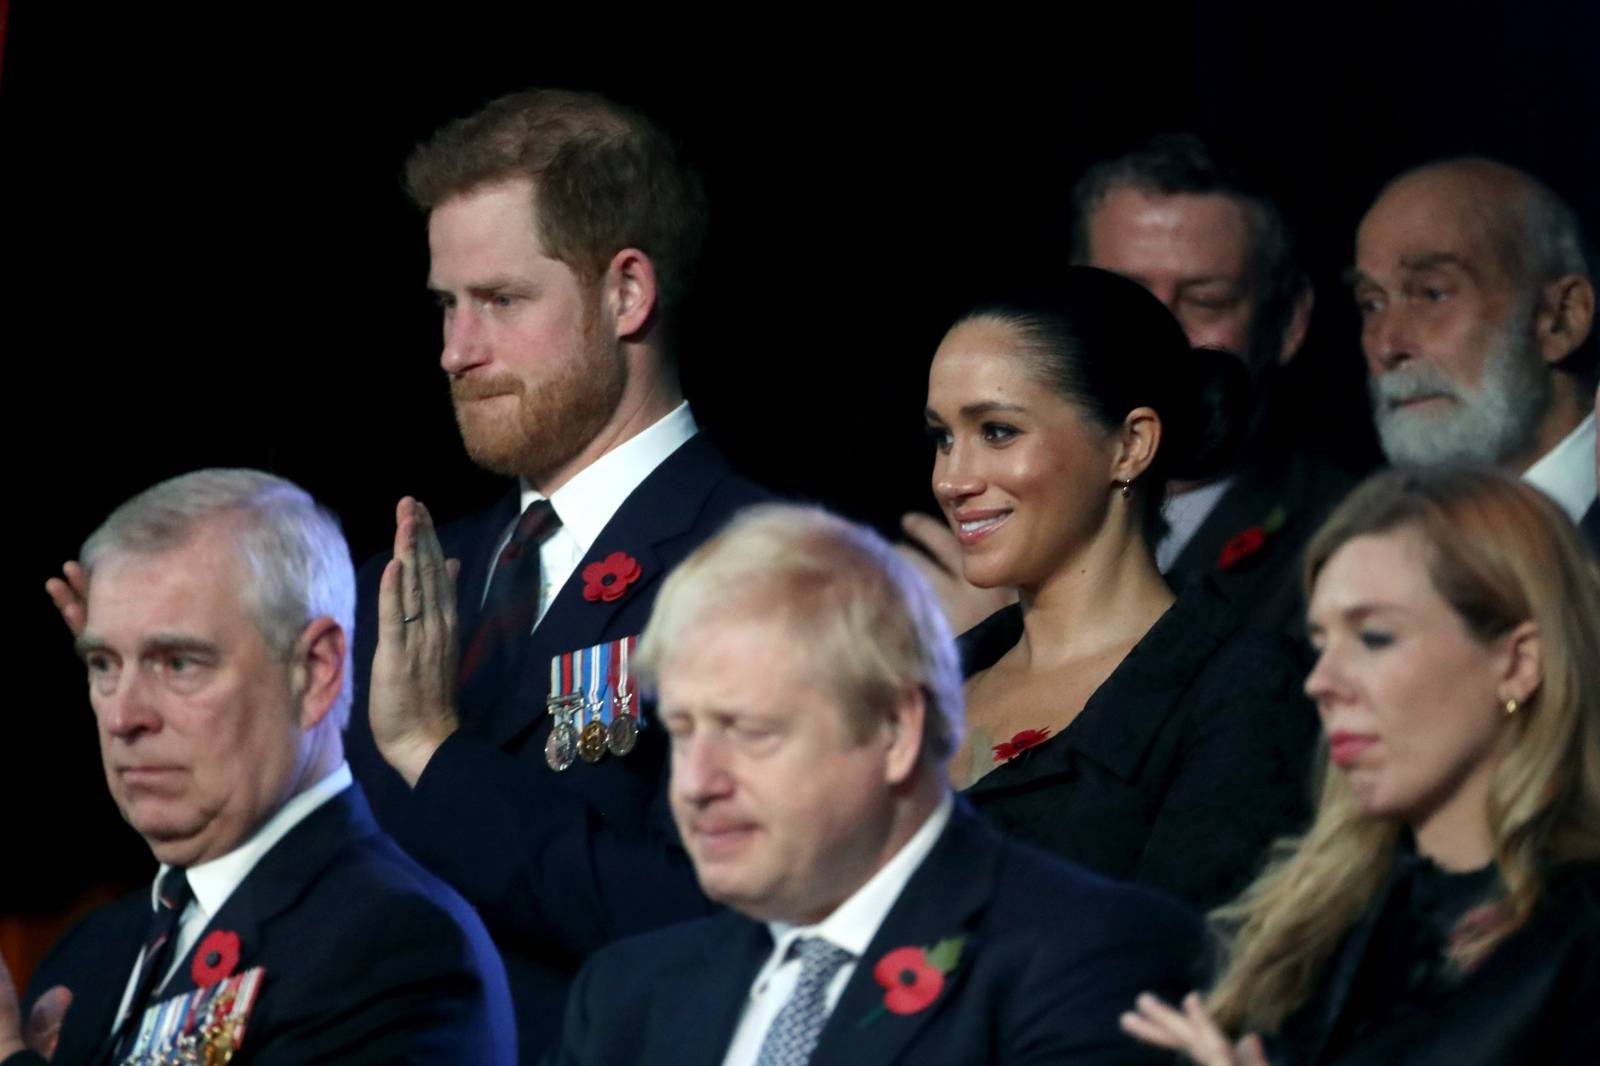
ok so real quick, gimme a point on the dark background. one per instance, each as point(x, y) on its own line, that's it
point(207, 259)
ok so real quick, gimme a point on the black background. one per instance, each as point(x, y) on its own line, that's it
point(207, 259)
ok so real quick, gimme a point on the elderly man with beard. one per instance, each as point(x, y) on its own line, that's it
point(1476, 300)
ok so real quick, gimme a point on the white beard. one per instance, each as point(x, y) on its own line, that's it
point(1489, 424)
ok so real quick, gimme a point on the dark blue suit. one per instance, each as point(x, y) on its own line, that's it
point(558, 864)
point(367, 957)
point(1052, 955)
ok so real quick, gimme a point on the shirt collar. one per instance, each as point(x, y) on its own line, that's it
point(588, 500)
point(213, 881)
point(1566, 472)
point(854, 923)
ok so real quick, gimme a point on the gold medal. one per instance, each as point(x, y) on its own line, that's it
point(592, 742)
point(562, 747)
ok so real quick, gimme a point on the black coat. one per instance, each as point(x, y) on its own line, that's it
point(1181, 768)
point(1535, 1000)
point(1286, 497)
point(1051, 956)
point(367, 958)
point(557, 864)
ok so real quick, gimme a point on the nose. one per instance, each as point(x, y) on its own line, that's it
point(699, 770)
point(955, 476)
point(465, 345)
point(126, 710)
point(1323, 683)
point(1386, 337)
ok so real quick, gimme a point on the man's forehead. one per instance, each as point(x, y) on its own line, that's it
point(1196, 231)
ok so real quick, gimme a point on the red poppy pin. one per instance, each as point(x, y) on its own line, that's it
point(215, 958)
point(1241, 546)
point(609, 578)
point(913, 977)
point(1250, 540)
point(1021, 742)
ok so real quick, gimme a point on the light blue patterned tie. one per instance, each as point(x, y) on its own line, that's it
point(794, 1031)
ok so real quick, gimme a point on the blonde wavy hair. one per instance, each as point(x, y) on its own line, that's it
point(1501, 553)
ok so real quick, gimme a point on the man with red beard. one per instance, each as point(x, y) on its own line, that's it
point(506, 749)
point(1476, 301)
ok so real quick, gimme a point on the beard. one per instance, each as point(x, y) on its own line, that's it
point(555, 418)
point(1489, 424)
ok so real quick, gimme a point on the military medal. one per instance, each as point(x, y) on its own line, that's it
point(623, 732)
point(561, 748)
point(205, 1027)
point(592, 739)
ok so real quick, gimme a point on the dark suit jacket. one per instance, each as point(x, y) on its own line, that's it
point(1182, 767)
point(1535, 1000)
point(1293, 492)
point(556, 863)
point(367, 957)
point(1052, 955)
point(1591, 526)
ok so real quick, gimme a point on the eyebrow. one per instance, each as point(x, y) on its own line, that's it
point(982, 407)
point(155, 643)
point(1412, 264)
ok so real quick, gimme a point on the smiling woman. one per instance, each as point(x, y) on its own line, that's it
point(1142, 734)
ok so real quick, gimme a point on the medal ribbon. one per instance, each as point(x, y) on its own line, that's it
point(622, 680)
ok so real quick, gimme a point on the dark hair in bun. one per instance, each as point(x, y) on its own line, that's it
point(1106, 344)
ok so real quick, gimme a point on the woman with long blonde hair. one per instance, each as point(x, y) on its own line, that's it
point(1445, 904)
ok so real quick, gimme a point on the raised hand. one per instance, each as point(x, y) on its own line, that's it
point(411, 702)
point(70, 593)
point(44, 1022)
point(1190, 1031)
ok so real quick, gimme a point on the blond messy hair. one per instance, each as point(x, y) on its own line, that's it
point(861, 615)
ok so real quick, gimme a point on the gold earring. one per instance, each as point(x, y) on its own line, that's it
point(1511, 707)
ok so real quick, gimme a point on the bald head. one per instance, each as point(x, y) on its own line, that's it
point(1534, 234)
point(1473, 290)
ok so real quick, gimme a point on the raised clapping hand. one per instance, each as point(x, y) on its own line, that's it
point(939, 560)
point(70, 593)
point(411, 701)
point(44, 1022)
point(1190, 1031)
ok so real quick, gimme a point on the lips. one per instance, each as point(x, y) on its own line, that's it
point(1345, 749)
point(971, 527)
point(717, 838)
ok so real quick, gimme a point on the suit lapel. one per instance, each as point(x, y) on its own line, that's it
point(278, 880)
point(661, 510)
point(945, 898)
point(699, 1012)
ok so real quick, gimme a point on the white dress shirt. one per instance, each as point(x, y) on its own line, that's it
point(588, 501)
point(1566, 472)
point(212, 882)
point(851, 926)
point(1185, 513)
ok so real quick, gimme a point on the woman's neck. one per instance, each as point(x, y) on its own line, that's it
point(1107, 595)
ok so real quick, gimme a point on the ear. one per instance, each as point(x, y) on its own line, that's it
point(1294, 331)
point(1563, 317)
point(630, 291)
point(907, 720)
point(1523, 669)
point(317, 670)
point(1137, 442)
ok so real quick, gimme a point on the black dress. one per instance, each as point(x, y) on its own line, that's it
point(1183, 766)
point(1390, 995)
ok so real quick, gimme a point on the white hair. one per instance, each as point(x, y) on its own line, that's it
point(295, 560)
